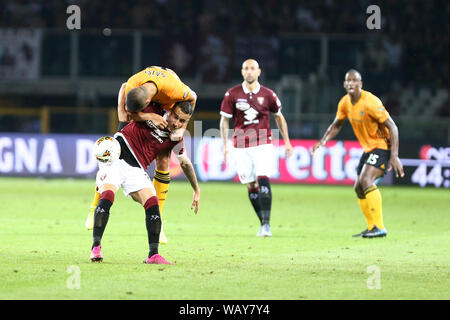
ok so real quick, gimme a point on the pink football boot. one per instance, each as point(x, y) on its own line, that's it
point(96, 254)
point(156, 259)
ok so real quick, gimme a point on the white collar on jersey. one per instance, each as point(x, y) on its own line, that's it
point(255, 91)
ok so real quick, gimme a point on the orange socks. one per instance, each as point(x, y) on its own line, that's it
point(374, 206)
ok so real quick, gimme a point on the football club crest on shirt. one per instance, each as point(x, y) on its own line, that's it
point(260, 100)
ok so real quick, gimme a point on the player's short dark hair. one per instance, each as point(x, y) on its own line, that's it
point(135, 100)
point(185, 106)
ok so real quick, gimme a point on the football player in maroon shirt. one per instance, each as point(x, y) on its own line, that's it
point(250, 105)
point(140, 143)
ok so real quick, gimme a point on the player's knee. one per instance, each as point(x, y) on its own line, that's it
point(162, 163)
point(358, 190)
point(252, 186)
point(365, 182)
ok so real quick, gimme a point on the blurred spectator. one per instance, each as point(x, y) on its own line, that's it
point(376, 57)
point(215, 57)
point(444, 110)
point(413, 45)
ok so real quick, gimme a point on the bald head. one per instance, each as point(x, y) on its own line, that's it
point(136, 99)
point(250, 71)
point(354, 73)
point(250, 63)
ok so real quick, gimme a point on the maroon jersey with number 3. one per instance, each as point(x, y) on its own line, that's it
point(146, 141)
point(250, 111)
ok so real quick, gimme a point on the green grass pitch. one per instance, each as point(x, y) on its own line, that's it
point(45, 247)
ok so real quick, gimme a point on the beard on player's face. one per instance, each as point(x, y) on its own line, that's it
point(250, 79)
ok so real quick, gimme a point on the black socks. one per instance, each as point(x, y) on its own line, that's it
point(253, 195)
point(265, 199)
point(261, 199)
point(101, 217)
point(153, 225)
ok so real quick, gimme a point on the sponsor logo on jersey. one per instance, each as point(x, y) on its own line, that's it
point(250, 116)
point(156, 136)
point(156, 132)
point(243, 106)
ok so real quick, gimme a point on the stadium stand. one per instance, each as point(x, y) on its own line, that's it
point(205, 41)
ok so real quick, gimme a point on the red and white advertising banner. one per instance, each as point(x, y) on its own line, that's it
point(71, 155)
point(334, 163)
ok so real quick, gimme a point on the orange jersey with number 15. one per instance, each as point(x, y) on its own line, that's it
point(170, 88)
point(366, 117)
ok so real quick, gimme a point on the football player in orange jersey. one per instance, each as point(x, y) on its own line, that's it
point(152, 85)
point(378, 135)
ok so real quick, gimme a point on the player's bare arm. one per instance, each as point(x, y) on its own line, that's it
point(121, 107)
point(139, 98)
point(224, 129)
point(282, 126)
point(394, 161)
point(189, 172)
point(158, 120)
point(331, 132)
point(127, 116)
point(192, 98)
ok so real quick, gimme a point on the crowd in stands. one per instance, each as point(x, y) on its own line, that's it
point(412, 46)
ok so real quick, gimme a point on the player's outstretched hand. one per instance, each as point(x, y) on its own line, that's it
point(288, 149)
point(159, 121)
point(316, 146)
point(225, 153)
point(395, 163)
point(196, 202)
